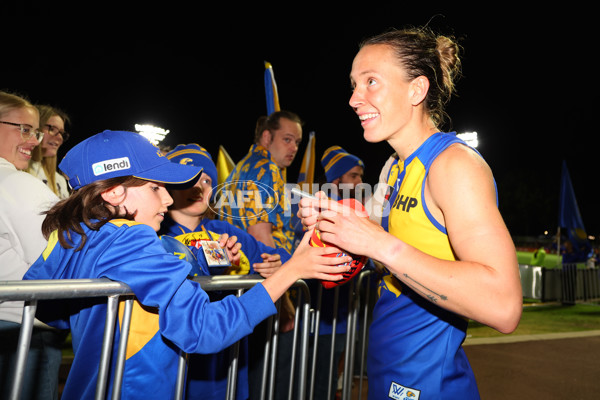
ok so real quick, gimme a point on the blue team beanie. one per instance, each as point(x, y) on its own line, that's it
point(337, 161)
point(196, 155)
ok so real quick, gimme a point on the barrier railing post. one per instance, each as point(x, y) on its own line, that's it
point(569, 284)
point(330, 369)
point(304, 343)
point(266, 359)
point(122, 352)
point(23, 348)
point(273, 355)
point(350, 336)
point(364, 329)
point(294, 347)
point(232, 371)
point(105, 355)
point(181, 372)
point(315, 324)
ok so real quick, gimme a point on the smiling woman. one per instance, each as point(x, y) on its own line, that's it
point(19, 130)
point(443, 265)
point(23, 200)
point(43, 163)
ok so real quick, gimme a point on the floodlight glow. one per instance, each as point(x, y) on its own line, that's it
point(153, 133)
point(470, 138)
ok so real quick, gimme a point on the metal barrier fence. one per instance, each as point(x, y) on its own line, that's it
point(578, 284)
point(33, 291)
point(567, 284)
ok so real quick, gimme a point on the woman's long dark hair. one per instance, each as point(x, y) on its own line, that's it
point(85, 206)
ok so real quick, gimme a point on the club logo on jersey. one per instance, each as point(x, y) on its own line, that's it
point(399, 392)
point(106, 166)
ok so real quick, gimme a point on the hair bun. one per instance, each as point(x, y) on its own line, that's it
point(448, 52)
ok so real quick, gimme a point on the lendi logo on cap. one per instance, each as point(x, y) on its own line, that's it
point(116, 164)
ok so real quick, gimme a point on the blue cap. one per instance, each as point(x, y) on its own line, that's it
point(337, 161)
point(112, 154)
point(196, 155)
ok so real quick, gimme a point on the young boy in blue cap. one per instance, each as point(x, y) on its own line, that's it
point(191, 221)
point(191, 217)
point(107, 229)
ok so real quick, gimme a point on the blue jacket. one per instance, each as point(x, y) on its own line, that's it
point(171, 311)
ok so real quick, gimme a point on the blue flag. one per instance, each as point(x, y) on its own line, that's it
point(570, 219)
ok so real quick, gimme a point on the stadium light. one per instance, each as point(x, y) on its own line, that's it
point(470, 138)
point(153, 133)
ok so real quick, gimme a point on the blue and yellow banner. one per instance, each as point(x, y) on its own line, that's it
point(271, 90)
point(306, 177)
point(224, 165)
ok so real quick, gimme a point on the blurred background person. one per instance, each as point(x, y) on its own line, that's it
point(190, 220)
point(343, 170)
point(44, 157)
point(276, 141)
point(342, 173)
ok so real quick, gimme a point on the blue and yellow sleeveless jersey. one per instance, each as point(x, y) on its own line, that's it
point(171, 312)
point(254, 192)
point(415, 348)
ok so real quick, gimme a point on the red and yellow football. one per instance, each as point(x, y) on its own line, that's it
point(357, 263)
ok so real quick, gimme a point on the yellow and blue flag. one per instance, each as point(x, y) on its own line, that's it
point(271, 90)
point(306, 177)
point(224, 165)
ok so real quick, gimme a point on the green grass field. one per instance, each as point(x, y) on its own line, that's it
point(540, 318)
point(547, 318)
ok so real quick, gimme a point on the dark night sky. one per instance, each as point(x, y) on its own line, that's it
point(528, 88)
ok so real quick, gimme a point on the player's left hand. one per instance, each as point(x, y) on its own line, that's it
point(232, 247)
point(347, 228)
point(308, 209)
point(270, 264)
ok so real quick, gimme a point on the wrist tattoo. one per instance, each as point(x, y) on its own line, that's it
point(421, 289)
